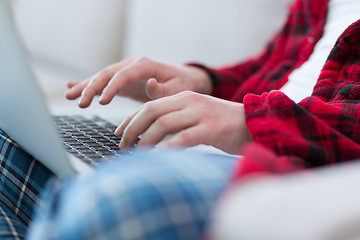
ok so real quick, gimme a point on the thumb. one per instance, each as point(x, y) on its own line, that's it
point(71, 83)
point(153, 89)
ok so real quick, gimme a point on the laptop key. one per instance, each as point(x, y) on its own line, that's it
point(92, 140)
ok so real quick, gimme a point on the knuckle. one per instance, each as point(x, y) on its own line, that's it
point(146, 63)
point(149, 106)
point(185, 137)
point(128, 133)
point(205, 111)
point(163, 122)
point(190, 95)
point(117, 74)
point(186, 93)
point(143, 60)
point(110, 67)
point(127, 59)
point(89, 90)
point(102, 73)
point(123, 74)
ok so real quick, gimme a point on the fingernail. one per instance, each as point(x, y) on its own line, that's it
point(123, 121)
point(122, 145)
point(81, 100)
point(103, 94)
point(117, 130)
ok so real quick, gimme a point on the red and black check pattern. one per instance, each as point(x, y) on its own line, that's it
point(288, 50)
point(322, 129)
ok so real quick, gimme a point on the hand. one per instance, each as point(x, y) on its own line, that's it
point(142, 79)
point(193, 119)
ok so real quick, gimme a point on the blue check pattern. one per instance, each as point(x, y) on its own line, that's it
point(155, 196)
point(166, 195)
point(10, 226)
point(22, 181)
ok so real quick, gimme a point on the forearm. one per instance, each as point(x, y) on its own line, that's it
point(312, 130)
point(226, 80)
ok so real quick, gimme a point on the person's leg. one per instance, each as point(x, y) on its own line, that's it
point(11, 227)
point(22, 180)
point(163, 195)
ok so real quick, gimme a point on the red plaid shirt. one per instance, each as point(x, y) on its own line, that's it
point(323, 128)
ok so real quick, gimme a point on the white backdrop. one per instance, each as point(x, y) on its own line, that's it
point(82, 36)
point(210, 31)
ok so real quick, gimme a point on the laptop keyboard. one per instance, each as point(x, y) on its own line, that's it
point(90, 139)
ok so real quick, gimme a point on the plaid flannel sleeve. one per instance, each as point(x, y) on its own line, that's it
point(288, 49)
point(323, 128)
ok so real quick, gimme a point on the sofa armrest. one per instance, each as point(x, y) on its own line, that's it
point(320, 205)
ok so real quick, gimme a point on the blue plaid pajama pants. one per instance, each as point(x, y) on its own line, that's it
point(22, 181)
point(161, 195)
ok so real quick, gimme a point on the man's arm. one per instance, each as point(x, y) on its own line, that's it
point(288, 50)
point(322, 129)
point(142, 79)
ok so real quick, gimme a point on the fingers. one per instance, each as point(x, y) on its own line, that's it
point(170, 123)
point(153, 89)
point(189, 137)
point(120, 130)
point(160, 80)
point(144, 119)
point(193, 119)
point(142, 79)
point(75, 89)
point(93, 85)
point(96, 85)
point(86, 90)
point(71, 84)
point(139, 70)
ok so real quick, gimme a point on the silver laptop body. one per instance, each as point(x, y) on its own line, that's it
point(23, 112)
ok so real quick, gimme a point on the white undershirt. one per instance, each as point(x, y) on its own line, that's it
point(341, 14)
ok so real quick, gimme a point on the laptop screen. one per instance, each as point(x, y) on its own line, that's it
point(23, 112)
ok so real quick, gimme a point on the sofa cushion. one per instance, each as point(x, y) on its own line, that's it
point(79, 37)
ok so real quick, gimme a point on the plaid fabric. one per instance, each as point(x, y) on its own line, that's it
point(322, 129)
point(165, 195)
point(288, 50)
point(10, 226)
point(22, 179)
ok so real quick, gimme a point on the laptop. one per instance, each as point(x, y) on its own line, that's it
point(25, 118)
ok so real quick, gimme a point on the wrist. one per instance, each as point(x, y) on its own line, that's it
point(202, 80)
point(243, 136)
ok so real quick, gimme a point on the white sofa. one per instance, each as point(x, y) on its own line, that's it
point(322, 205)
point(73, 39)
point(80, 37)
